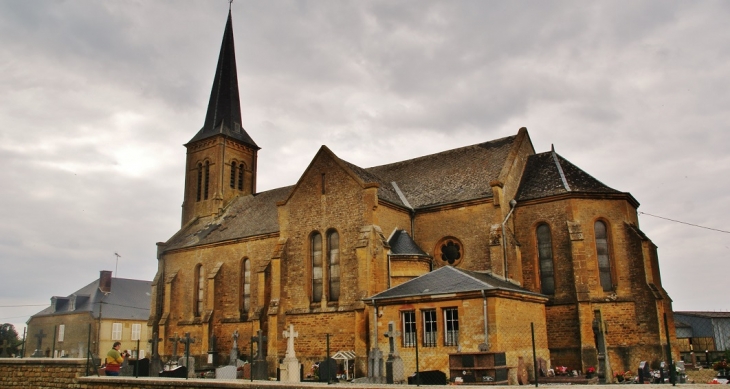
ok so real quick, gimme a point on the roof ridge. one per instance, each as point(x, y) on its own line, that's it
point(449, 151)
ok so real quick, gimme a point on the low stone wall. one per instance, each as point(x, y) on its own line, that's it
point(41, 373)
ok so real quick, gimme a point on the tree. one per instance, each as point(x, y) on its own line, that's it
point(8, 333)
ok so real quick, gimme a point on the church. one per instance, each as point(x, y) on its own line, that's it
point(460, 251)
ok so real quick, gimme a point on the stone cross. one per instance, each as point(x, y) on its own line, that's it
point(260, 341)
point(5, 347)
point(155, 361)
point(38, 352)
point(290, 335)
point(233, 360)
point(391, 335)
point(175, 339)
point(187, 340)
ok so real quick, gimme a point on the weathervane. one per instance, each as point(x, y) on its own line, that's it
point(116, 267)
point(230, 2)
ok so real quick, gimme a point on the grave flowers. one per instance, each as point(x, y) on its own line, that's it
point(590, 372)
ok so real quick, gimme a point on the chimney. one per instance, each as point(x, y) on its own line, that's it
point(54, 301)
point(105, 281)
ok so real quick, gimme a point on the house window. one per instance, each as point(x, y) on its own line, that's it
point(451, 323)
point(61, 332)
point(199, 288)
point(233, 174)
point(316, 243)
point(246, 277)
point(116, 331)
point(333, 259)
point(408, 319)
point(604, 259)
point(207, 180)
point(429, 328)
point(136, 331)
point(545, 257)
point(200, 182)
point(241, 169)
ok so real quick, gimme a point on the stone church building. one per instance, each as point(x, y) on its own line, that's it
point(346, 249)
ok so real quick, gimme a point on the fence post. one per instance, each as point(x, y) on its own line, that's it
point(535, 369)
point(327, 361)
point(672, 369)
point(136, 365)
point(418, 374)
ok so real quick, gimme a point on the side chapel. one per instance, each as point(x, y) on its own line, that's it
point(458, 248)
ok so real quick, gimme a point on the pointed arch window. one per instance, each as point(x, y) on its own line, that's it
point(233, 174)
point(207, 179)
point(200, 182)
point(545, 257)
point(603, 254)
point(316, 253)
point(333, 261)
point(199, 289)
point(246, 286)
point(241, 169)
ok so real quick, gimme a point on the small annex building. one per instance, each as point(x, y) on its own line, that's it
point(104, 311)
point(459, 310)
point(534, 236)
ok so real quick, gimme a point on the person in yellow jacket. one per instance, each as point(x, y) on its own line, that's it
point(114, 359)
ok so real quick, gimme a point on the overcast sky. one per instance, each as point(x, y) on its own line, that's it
point(97, 99)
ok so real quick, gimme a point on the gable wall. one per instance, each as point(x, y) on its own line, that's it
point(470, 224)
point(346, 207)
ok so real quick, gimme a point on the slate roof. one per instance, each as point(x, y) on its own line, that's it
point(542, 178)
point(249, 215)
point(705, 314)
point(448, 280)
point(402, 244)
point(451, 176)
point(224, 107)
point(129, 299)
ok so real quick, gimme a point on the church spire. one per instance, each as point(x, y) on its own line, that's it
point(224, 108)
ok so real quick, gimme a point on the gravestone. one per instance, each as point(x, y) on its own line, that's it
point(126, 370)
point(522, 377)
point(394, 367)
point(246, 371)
point(187, 360)
point(177, 372)
point(212, 351)
point(175, 340)
point(328, 370)
point(233, 355)
point(375, 366)
point(227, 372)
point(142, 367)
point(644, 372)
point(260, 368)
point(290, 366)
point(5, 347)
point(155, 363)
point(38, 353)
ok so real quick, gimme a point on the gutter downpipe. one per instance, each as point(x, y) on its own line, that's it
point(486, 331)
point(512, 204)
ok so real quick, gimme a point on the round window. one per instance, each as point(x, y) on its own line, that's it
point(449, 251)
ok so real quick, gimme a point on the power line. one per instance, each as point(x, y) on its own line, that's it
point(27, 305)
point(681, 222)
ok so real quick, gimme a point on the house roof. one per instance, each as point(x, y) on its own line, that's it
point(449, 280)
point(705, 314)
point(549, 174)
point(129, 299)
point(224, 107)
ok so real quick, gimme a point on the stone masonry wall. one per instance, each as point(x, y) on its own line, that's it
point(41, 373)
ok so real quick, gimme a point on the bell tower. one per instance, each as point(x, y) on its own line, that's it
point(221, 157)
